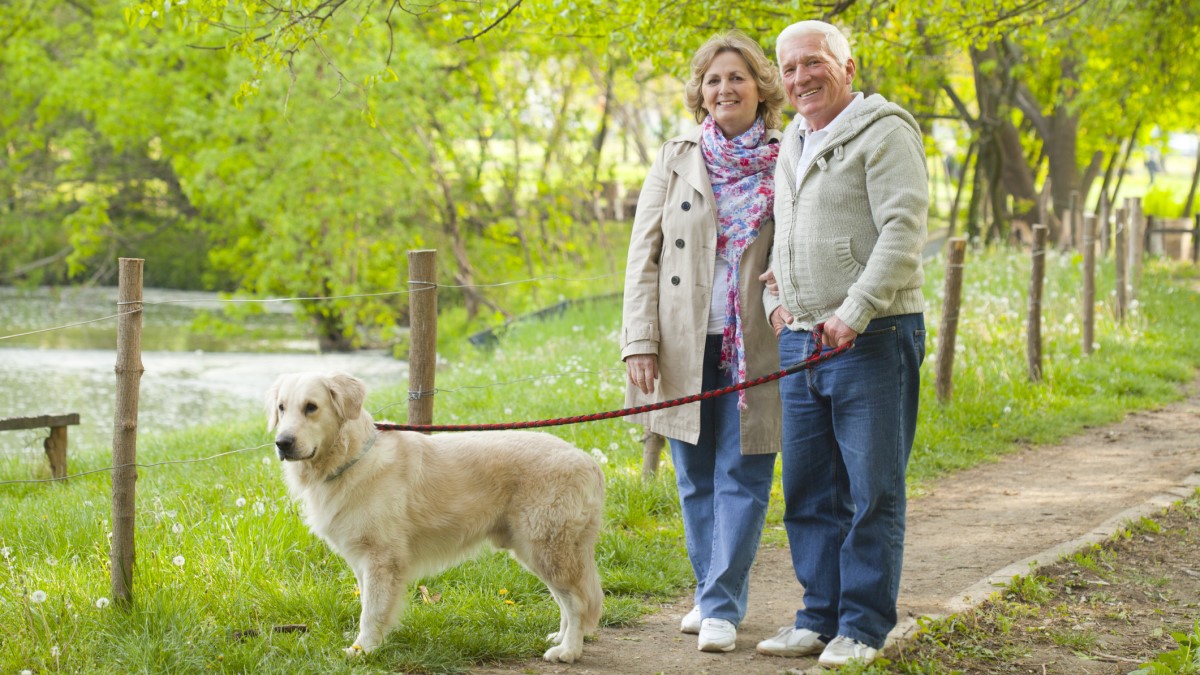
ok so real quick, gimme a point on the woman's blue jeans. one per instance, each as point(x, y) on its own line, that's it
point(848, 428)
point(724, 498)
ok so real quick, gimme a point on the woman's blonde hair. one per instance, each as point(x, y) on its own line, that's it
point(766, 76)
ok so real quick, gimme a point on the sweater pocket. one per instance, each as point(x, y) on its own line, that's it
point(845, 258)
point(833, 271)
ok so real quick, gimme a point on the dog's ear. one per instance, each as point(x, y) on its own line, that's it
point(273, 403)
point(348, 394)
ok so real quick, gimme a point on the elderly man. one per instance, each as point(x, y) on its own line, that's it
point(851, 202)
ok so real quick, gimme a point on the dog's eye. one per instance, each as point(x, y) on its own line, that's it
point(280, 407)
point(310, 408)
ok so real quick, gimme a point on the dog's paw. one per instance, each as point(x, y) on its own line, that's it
point(562, 654)
point(354, 651)
point(555, 637)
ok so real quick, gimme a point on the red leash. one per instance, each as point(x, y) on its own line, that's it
point(815, 358)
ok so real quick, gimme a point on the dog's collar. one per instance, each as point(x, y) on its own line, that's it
point(343, 468)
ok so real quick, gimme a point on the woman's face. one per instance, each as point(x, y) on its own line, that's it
point(730, 93)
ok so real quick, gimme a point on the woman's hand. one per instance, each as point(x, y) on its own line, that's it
point(768, 279)
point(643, 371)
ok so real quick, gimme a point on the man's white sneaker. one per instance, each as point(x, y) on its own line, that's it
point(691, 622)
point(842, 650)
point(791, 641)
point(717, 635)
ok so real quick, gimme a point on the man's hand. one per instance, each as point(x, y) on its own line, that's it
point(780, 319)
point(837, 333)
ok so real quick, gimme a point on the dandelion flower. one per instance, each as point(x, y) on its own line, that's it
point(101, 603)
point(503, 591)
point(177, 560)
point(37, 596)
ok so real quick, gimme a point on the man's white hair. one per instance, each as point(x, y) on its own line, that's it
point(835, 40)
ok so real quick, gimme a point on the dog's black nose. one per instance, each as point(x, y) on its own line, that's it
point(283, 447)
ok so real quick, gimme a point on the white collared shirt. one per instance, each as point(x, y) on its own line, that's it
point(812, 140)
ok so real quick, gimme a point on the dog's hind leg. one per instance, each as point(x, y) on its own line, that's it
point(382, 591)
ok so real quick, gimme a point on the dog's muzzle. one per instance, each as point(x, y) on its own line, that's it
point(285, 447)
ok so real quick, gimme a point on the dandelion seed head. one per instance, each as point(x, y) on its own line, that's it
point(177, 528)
point(241, 502)
point(101, 603)
point(55, 651)
point(178, 561)
point(37, 596)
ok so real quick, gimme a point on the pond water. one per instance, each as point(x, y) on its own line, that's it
point(193, 375)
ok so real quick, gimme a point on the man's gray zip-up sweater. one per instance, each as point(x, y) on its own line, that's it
point(848, 239)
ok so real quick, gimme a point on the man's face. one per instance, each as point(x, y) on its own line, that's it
point(816, 84)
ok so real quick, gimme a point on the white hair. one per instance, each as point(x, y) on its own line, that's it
point(835, 41)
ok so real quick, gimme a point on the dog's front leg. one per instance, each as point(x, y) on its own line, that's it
point(381, 586)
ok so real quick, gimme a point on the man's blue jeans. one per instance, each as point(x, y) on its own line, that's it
point(724, 497)
point(848, 428)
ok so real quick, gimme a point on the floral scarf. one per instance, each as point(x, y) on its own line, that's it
point(742, 173)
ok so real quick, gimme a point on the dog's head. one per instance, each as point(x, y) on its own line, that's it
point(307, 411)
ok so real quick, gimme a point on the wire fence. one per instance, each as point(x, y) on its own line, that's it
point(149, 305)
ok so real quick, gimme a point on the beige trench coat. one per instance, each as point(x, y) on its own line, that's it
point(668, 291)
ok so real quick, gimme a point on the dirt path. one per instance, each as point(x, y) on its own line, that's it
point(968, 532)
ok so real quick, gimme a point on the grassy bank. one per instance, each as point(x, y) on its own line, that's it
point(223, 557)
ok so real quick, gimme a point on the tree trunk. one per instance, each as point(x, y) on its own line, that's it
point(1191, 198)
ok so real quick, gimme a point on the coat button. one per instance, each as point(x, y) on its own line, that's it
point(674, 281)
point(686, 206)
point(678, 243)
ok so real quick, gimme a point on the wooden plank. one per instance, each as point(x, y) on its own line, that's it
point(39, 421)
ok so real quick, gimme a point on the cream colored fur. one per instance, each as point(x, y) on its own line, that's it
point(415, 504)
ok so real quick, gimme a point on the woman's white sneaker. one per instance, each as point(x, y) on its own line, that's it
point(842, 650)
point(691, 622)
point(717, 635)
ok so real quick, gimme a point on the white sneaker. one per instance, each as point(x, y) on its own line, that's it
point(790, 641)
point(842, 650)
point(691, 622)
point(717, 635)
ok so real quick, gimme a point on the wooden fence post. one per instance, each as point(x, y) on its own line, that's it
point(1120, 259)
point(1137, 246)
point(1089, 283)
point(1196, 240)
point(124, 477)
point(652, 447)
point(1033, 343)
point(422, 349)
point(948, 332)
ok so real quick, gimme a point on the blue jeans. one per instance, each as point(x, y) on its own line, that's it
point(724, 498)
point(848, 428)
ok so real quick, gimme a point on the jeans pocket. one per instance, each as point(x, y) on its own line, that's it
point(919, 344)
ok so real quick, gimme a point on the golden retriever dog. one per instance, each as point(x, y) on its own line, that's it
point(400, 505)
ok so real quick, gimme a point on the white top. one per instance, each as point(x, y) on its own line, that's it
point(814, 139)
point(716, 308)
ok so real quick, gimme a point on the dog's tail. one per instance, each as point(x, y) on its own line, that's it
point(593, 599)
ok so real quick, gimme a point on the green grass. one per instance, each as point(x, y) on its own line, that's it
point(222, 550)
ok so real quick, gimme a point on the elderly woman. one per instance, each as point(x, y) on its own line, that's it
point(694, 320)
